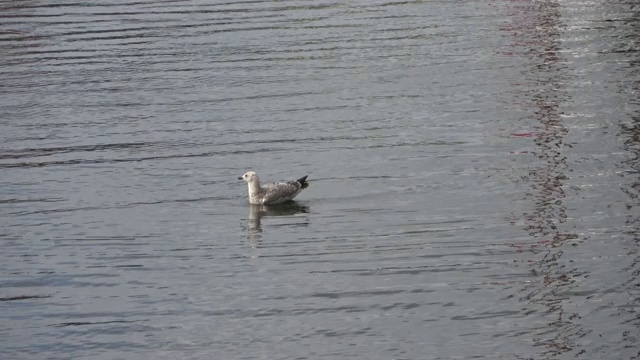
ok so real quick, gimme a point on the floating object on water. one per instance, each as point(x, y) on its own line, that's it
point(273, 193)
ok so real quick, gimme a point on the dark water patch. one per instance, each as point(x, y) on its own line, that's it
point(85, 323)
point(483, 316)
point(125, 160)
point(20, 201)
point(24, 297)
point(26, 153)
point(335, 295)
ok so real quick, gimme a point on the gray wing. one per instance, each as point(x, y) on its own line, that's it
point(281, 192)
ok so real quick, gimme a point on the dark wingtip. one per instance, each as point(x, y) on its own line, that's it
point(303, 182)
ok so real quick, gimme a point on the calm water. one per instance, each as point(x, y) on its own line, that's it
point(474, 179)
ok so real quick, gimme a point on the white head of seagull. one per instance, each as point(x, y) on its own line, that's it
point(273, 193)
point(249, 177)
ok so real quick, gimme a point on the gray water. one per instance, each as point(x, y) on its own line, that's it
point(473, 167)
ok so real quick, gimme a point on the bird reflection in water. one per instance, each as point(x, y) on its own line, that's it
point(257, 212)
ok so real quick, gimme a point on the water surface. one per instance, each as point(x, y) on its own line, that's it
point(473, 166)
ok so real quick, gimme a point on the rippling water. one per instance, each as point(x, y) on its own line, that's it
point(473, 164)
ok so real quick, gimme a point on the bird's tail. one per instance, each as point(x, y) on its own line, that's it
point(303, 182)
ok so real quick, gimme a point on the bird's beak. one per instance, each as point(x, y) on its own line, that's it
point(240, 178)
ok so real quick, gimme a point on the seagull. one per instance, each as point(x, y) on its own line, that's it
point(273, 193)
